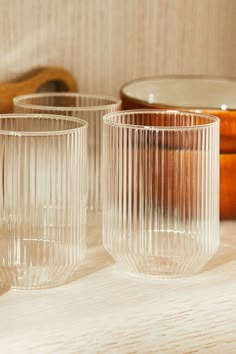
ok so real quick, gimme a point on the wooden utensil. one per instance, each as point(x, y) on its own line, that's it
point(44, 79)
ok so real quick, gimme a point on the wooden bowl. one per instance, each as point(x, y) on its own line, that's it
point(228, 186)
point(198, 94)
point(214, 96)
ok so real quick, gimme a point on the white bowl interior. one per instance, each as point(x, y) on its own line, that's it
point(185, 92)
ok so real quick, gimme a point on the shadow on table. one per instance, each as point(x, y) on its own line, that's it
point(96, 260)
point(4, 290)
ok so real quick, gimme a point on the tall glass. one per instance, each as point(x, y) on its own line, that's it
point(43, 178)
point(90, 108)
point(161, 191)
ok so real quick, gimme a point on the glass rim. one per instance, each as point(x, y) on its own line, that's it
point(18, 101)
point(83, 125)
point(213, 120)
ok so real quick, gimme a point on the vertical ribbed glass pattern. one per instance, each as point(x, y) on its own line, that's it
point(90, 108)
point(43, 178)
point(161, 191)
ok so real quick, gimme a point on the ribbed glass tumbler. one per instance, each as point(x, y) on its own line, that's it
point(43, 178)
point(90, 108)
point(161, 191)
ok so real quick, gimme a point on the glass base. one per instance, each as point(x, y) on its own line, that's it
point(34, 263)
point(162, 266)
point(36, 277)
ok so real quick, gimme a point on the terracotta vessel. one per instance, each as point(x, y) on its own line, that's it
point(216, 96)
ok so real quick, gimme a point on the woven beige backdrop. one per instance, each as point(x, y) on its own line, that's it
point(107, 42)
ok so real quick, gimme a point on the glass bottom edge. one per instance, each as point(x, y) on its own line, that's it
point(33, 278)
point(163, 267)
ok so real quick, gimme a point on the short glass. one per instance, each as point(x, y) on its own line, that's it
point(43, 178)
point(161, 191)
point(90, 108)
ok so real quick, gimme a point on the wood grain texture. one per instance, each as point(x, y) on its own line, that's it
point(105, 311)
point(107, 42)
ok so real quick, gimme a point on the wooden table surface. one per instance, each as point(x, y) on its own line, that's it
point(105, 311)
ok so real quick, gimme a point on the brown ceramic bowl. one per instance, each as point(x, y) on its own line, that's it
point(199, 94)
point(216, 96)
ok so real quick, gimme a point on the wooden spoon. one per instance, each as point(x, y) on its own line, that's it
point(44, 79)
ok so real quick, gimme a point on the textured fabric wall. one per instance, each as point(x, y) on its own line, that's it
point(107, 42)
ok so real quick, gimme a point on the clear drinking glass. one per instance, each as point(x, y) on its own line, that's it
point(90, 108)
point(161, 191)
point(43, 178)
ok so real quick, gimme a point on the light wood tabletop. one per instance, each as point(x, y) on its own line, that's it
point(106, 311)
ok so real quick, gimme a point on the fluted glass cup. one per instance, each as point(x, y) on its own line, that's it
point(43, 178)
point(161, 191)
point(90, 108)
